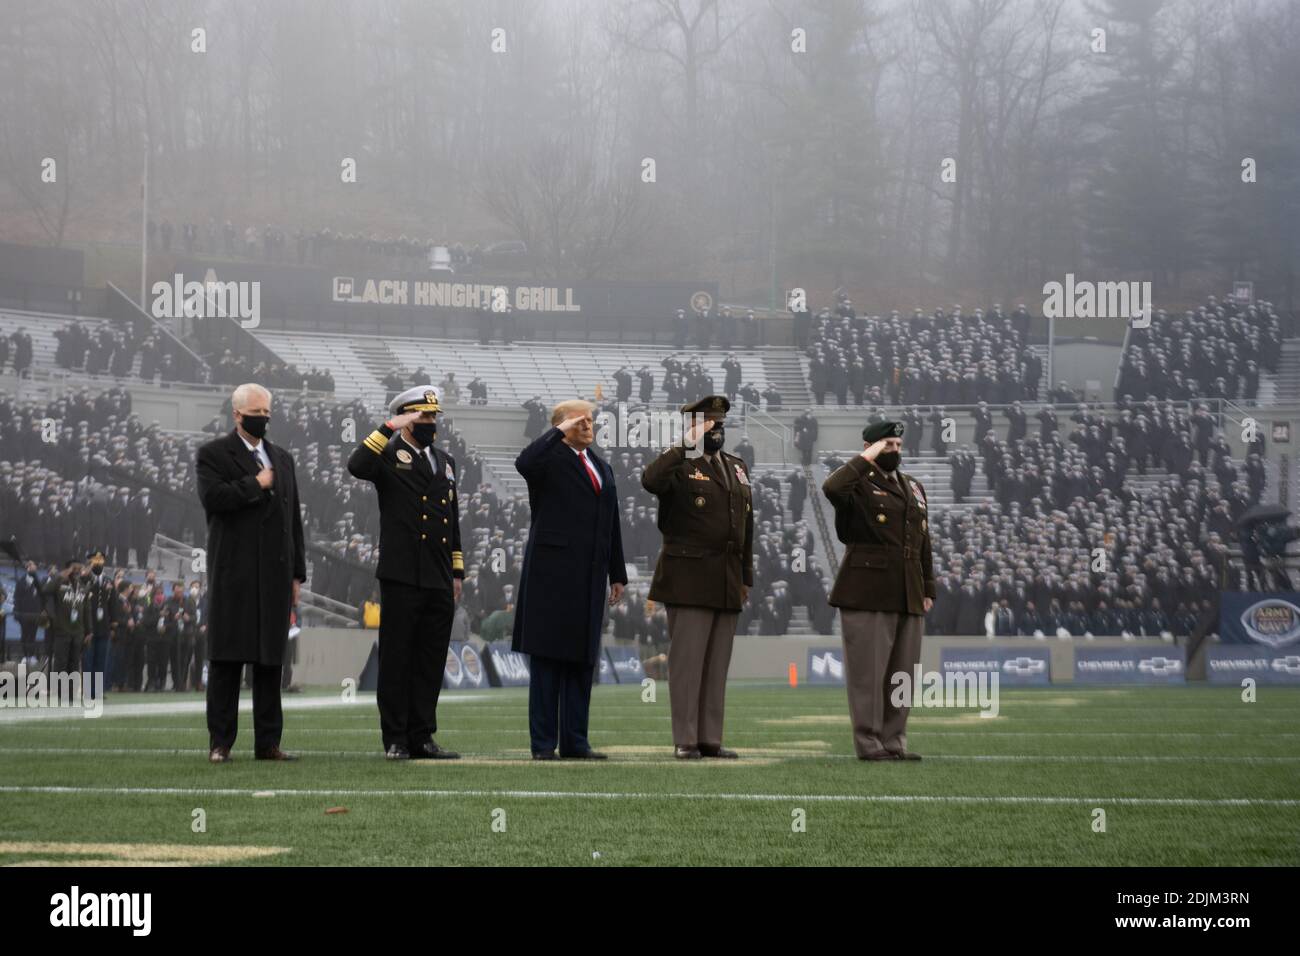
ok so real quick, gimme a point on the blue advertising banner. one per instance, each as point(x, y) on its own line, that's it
point(464, 668)
point(1017, 666)
point(825, 665)
point(509, 668)
point(1252, 617)
point(1129, 665)
point(626, 664)
point(1229, 665)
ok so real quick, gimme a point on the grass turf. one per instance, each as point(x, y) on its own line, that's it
point(1017, 789)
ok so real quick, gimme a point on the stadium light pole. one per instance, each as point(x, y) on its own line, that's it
point(144, 223)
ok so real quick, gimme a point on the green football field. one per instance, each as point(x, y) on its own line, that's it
point(1185, 776)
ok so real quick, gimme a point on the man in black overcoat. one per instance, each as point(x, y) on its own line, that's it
point(575, 549)
point(256, 563)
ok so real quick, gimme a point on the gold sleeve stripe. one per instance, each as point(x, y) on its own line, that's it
point(457, 561)
point(376, 441)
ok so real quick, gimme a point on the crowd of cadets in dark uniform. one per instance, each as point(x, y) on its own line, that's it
point(948, 358)
point(1216, 351)
point(155, 629)
point(715, 327)
point(229, 369)
point(108, 480)
point(17, 349)
point(304, 245)
point(399, 380)
point(1030, 556)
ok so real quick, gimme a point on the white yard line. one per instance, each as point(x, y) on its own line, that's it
point(722, 797)
point(150, 708)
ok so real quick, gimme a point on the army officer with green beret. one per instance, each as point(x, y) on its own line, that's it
point(884, 587)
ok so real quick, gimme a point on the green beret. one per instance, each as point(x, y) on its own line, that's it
point(878, 430)
point(709, 404)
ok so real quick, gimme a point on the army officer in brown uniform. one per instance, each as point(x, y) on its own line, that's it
point(705, 571)
point(884, 588)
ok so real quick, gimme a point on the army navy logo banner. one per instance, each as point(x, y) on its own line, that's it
point(1129, 665)
point(825, 665)
point(1230, 664)
point(1028, 667)
point(509, 668)
point(1249, 617)
point(626, 664)
point(604, 670)
point(464, 669)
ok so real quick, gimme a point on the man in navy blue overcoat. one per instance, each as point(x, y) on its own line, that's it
point(575, 551)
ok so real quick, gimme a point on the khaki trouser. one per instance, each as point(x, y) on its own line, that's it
point(699, 653)
point(877, 645)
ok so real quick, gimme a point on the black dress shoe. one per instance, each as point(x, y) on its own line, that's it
point(544, 755)
point(707, 750)
point(219, 755)
point(585, 755)
point(686, 753)
point(273, 753)
point(431, 751)
point(397, 752)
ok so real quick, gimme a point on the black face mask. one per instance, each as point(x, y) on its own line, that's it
point(424, 432)
point(96, 569)
point(255, 425)
point(889, 460)
point(714, 440)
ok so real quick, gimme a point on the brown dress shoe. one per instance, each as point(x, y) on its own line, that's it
point(274, 753)
point(880, 755)
point(219, 755)
point(905, 755)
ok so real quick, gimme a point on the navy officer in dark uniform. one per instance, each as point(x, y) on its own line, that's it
point(420, 569)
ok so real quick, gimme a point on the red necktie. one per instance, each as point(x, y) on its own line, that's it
point(591, 473)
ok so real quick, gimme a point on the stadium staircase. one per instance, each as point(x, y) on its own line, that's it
point(1284, 387)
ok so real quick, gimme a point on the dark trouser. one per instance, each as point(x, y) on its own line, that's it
point(200, 657)
point(559, 703)
point(98, 664)
point(118, 656)
point(182, 654)
point(223, 704)
point(160, 655)
point(414, 634)
point(135, 670)
point(65, 652)
point(27, 626)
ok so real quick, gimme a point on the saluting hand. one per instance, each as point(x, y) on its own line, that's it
point(698, 431)
point(872, 450)
point(570, 425)
point(398, 422)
